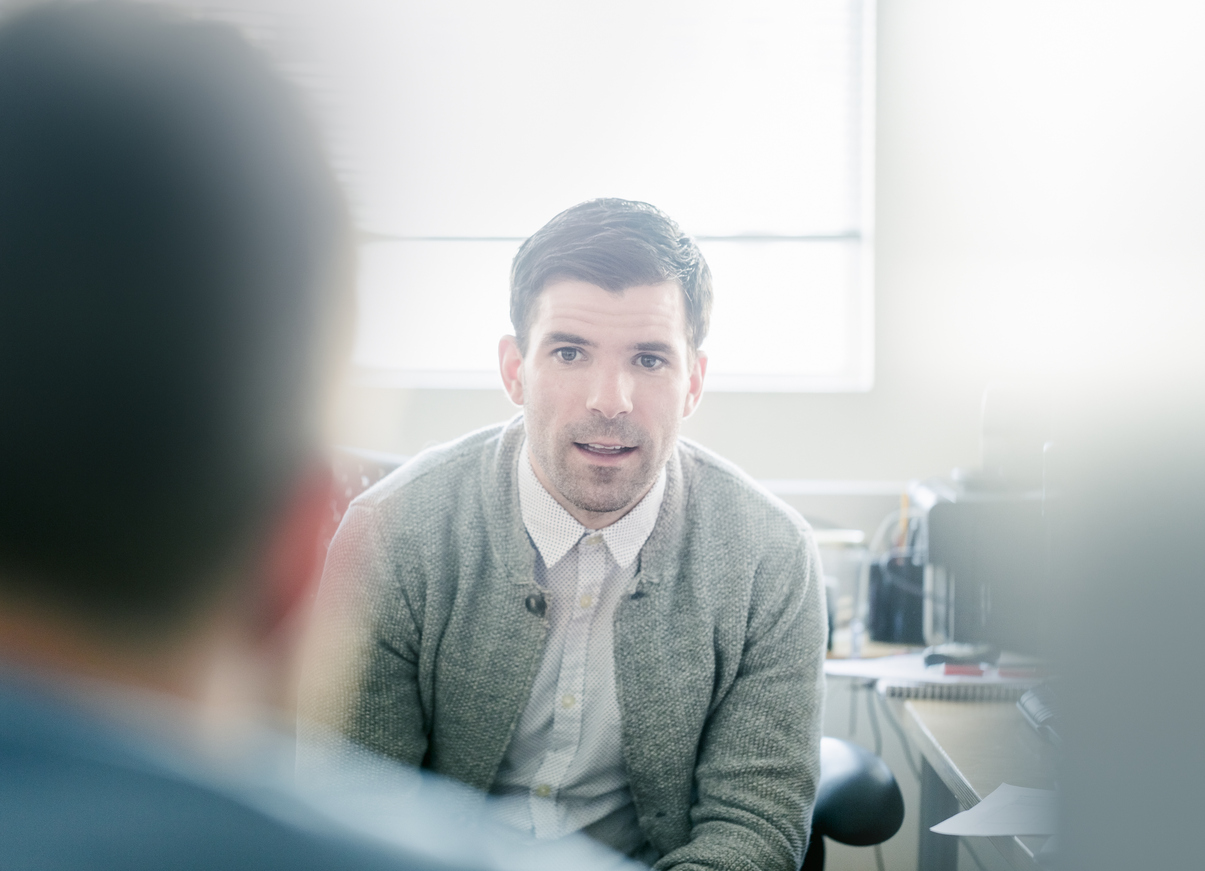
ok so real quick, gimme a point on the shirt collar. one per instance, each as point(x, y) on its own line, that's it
point(555, 531)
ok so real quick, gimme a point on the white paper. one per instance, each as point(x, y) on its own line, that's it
point(911, 668)
point(908, 666)
point(1008, 810)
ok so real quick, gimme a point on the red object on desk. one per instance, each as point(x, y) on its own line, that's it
point(969, 670)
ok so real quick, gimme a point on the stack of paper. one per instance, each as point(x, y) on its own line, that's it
point(1009, 810)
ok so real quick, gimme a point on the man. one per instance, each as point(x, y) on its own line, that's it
point(606, 626)
point(174, 258)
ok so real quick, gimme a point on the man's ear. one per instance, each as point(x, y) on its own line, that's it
point(510, 362)
point(698, 371)
point(293, 555)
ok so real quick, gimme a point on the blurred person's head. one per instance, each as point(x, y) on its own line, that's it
point(174, 264)
point(610, 303)
point(1125, 486)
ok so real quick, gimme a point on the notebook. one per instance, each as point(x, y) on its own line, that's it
point(907, 676)
point(957, 692)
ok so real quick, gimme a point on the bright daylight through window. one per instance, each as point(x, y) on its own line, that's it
point(462, 126)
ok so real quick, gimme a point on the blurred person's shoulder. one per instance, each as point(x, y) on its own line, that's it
point(80, 790)
point(433, 816)
point(84, 787)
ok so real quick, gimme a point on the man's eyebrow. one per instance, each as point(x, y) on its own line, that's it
point(567, 339)
point(656, 347)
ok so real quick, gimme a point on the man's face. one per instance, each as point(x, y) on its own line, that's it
point(604, 384)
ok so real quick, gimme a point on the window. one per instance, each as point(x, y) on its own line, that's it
point(462, 126)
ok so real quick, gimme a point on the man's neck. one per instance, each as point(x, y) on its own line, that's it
point(588, 519)
point(48, 642)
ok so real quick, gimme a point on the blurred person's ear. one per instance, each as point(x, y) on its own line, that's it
point(287, 576)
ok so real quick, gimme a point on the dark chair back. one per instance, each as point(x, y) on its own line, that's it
point(355, 471)
point(858, 801)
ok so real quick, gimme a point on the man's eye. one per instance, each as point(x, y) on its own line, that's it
point(567, 354)
point(648, 361)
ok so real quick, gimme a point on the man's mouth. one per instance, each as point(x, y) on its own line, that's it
point(604, 450)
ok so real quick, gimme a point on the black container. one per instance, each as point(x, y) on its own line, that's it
point(896, 600)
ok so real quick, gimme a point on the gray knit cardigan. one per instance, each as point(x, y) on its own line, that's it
point(719, 644)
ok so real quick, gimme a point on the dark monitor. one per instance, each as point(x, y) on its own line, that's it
point(986, 576)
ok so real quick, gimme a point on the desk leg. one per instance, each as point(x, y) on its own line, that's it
point(937, 803)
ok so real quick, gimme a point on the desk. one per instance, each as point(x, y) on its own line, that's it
point(968, 749)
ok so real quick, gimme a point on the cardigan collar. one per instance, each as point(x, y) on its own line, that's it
point(555, 532)
point(509, 537)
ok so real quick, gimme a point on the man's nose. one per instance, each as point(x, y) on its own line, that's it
point(610, 392)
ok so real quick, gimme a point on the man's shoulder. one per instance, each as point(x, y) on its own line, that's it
point(723, 497)
point(425, 482)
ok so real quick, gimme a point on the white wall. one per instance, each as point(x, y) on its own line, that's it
point(1039, 209)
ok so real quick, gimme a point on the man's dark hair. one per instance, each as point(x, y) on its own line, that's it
point(615, 244)
point(174, 270)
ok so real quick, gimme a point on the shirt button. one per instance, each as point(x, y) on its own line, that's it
point(596, 538)
point(568, 700)
point(586, 601)
point(543, 790)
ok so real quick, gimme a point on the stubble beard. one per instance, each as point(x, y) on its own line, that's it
point(597, 489)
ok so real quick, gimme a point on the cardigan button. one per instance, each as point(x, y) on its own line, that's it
point(536, 604)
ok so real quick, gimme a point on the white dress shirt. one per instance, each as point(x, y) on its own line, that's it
point(564, 770)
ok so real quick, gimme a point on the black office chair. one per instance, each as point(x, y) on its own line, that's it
point(858, 801)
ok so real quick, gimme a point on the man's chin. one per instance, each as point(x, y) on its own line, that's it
point(599, 488)
point(596, 490)
point(607, 501)
point(601, 505)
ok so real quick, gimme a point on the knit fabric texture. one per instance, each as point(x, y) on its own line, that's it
point(427, 648)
